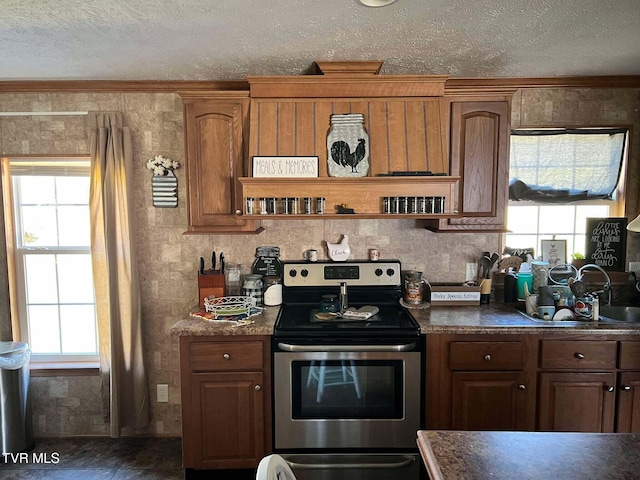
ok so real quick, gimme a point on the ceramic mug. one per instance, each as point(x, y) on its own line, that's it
point(546, 312)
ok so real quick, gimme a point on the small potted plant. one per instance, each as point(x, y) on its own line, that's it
point(578, 260)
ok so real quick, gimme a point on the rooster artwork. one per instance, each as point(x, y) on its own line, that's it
point(348, 146)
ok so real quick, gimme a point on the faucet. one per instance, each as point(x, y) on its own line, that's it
point(344, 302)
point(607, 285)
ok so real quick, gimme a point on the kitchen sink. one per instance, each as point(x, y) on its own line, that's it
point(607, 314)
point(620, 314)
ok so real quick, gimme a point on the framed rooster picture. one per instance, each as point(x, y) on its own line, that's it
point(347, 146)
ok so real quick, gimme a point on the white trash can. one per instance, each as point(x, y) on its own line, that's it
point(15, 404)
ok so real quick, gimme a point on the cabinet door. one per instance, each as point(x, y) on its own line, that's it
point(629, 403)
point(215, 153)
point(576, 402)
point(490, 401)
point(228, 412)
point(480, 133)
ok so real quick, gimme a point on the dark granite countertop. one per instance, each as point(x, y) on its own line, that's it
point(458, 455)
point(503, 318)
point(479, 319)
point(262, 325)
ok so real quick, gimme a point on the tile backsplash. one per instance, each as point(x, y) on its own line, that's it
point(168, 259)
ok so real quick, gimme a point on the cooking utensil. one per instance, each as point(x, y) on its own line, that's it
point(201, 269)
point(221, 262)
point(484, 267)
point(494, 259)
point(213, 261)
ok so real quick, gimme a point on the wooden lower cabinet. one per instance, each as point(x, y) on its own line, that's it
point(489, 401)
point(480, 382)
point(629, 403)
point(229, 408)
point(226, 409)
point(576, 401)
point(564, 383)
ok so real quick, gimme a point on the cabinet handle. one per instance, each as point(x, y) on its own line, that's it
point(522, 387)
point(226, 356)
point(579, 356)
point(487, 357)
point(257, 388)
point(238, 212)
point(626, 388)
point(609, 389)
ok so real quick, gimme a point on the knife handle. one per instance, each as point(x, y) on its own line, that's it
point(201, 270)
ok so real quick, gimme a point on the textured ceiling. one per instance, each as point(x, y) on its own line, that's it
point(230, 39)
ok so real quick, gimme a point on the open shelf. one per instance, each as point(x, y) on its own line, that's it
point(363, 194)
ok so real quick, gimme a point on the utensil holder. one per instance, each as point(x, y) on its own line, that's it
point(210, 285)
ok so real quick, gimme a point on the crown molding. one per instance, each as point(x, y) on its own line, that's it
point(118, 86)
point(452, 86)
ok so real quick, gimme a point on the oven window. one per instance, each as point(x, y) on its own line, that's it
point(347, 389)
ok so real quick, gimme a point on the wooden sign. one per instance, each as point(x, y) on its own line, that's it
point(606, 242)
point(285, 167)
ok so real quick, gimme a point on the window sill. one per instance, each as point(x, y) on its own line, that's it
point(64, 369)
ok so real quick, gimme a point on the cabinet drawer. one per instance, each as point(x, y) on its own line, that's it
point(223, 356)
point(630, 355)
point(486, 355)
point(578, 354)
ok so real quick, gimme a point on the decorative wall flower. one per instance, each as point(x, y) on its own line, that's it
point(162, 165)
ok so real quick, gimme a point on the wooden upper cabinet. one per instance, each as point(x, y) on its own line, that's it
point(216, 146)
point(404, 133)
point(480, 130)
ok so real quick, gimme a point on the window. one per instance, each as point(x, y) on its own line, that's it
point(559, 178)
point(53, 280)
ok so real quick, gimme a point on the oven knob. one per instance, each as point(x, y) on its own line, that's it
point(390, 272)
point(292, 272)
point(304, 272)
point(378, 272)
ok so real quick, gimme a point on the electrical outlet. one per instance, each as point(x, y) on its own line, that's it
point(634, 267)
point(471, 272)
point(162, 393)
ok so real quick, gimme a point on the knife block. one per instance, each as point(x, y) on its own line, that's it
point(210, 285)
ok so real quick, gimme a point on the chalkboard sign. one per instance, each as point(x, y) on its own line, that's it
point(606, 242)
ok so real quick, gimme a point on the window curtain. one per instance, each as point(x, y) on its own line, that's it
point(565, 165)
point(124, 379)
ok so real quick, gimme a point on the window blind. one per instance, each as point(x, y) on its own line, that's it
point(565, 165)
point(50, 166)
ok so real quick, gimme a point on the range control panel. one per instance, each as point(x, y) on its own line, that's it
point(365, 273)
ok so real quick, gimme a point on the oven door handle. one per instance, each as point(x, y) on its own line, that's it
point(404, 347)
point(407, 460)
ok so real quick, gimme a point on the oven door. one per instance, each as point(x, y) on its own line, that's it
point(369, 398)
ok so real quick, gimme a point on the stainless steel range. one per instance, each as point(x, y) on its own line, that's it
point(347, 389)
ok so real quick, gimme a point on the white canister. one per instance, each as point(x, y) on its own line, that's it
point(272, 291)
